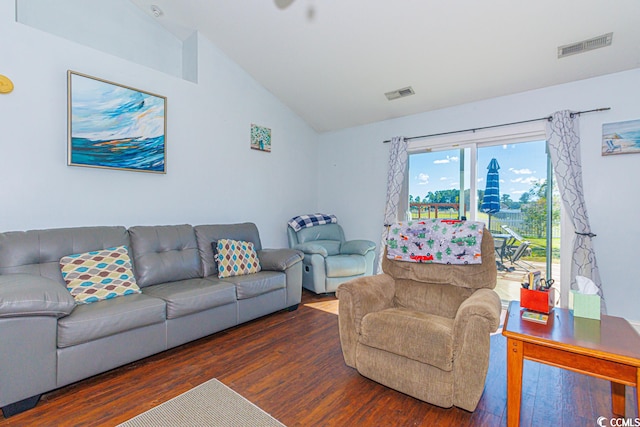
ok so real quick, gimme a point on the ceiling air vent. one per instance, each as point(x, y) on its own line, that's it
point(400, 93)
point(585, 45)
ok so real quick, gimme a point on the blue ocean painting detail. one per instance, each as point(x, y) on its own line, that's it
point(113, 126)
point(621, 137)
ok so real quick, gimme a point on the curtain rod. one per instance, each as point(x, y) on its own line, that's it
point(548, 118)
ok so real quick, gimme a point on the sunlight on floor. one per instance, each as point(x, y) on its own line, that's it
point(326, 306)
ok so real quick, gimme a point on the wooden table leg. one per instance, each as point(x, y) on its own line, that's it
point(617, 398)
point(637, 387)
point(515, 359)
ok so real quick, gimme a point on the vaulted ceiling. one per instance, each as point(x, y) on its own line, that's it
point(332, 61)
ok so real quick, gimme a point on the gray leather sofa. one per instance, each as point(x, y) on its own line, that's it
point(47, 341)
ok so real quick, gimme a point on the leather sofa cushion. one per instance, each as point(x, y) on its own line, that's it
point(193, 295)
point(101, 319)
point(39, 251)
point(345, 265)
point(209, 233)
point(256, 284)
point(164, 254)
point(402, 332)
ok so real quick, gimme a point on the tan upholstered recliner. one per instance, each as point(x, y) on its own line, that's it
point(423, 329)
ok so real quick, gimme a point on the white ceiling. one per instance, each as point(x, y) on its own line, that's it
point(331, 61)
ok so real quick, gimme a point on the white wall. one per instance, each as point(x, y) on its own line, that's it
point(212, 174)
point(116, 26)
point(353, 165)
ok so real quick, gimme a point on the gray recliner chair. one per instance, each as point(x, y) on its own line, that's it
point(329, 259)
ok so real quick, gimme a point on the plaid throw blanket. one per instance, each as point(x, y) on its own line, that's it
point(303, 221)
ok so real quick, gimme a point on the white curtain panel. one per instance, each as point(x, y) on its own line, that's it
point(563, 139)
point(397, 167)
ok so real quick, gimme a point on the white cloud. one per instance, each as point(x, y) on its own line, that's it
point(529, 180)
point(423, 179)
point(521, 171)
point(449, 159)
point(444, 178)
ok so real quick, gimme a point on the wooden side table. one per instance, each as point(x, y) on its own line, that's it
point(607, 349)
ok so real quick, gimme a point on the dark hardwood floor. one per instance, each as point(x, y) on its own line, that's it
point(290, 365)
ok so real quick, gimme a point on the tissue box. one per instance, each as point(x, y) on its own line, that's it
point(540, 301)
point(584, 305)
point(586, 329)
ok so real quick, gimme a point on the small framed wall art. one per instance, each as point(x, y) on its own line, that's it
point(621, 137)
point(260, 138)
point(114, 126)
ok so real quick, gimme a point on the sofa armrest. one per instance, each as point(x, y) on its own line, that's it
point(279, 259)
point(288, 261)
point(312, 248)
point(33, 295)
point(357, 247)
point(359, 297)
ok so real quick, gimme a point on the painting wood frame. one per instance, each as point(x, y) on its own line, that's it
point(621, 137)
point(114, 126)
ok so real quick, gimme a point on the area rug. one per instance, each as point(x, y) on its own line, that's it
point(209, 404)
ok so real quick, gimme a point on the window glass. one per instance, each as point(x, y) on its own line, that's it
point(440, 185)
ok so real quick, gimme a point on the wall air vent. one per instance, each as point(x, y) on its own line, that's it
point(400, 93)
point(585, 45)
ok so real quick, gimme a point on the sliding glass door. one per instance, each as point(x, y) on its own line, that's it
point(509, 187)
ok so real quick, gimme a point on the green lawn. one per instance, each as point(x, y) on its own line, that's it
point(538, 248)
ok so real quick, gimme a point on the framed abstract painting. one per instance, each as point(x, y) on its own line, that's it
point(114, 126)
point(260, 138)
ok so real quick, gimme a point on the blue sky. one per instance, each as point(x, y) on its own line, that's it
point(521, 165)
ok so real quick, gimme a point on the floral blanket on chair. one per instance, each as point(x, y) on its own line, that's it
point(439, 241)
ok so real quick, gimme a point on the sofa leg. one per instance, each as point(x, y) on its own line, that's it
point(21, 406)
point(292, 308)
